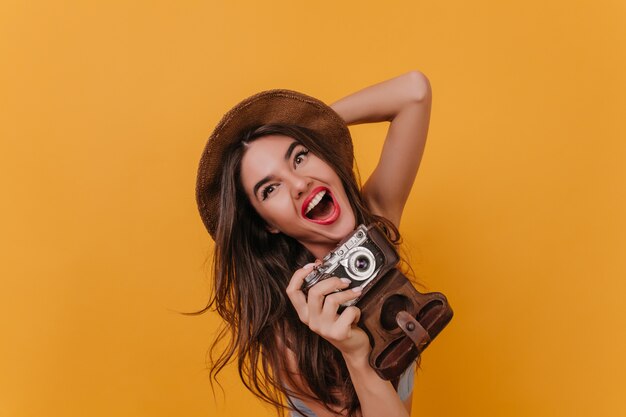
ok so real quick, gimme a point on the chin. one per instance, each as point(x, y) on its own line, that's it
point(345, 229)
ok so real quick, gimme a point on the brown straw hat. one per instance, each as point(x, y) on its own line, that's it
point(267, 107)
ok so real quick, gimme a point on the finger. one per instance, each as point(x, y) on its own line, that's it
point(349, 317)
point(319, 291)
point(333, 301)
point(297, 279)
point(295, 294)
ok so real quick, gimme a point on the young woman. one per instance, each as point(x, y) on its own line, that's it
point(276, 191)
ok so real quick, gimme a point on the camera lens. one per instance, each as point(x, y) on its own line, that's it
point(361, 263)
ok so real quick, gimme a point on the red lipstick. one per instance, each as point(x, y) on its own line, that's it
point(332, 217)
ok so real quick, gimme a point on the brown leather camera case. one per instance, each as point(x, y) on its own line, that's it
point(400, 322)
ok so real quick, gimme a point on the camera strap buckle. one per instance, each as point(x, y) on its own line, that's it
point(413, 329)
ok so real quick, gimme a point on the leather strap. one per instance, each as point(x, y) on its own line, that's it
point(413, 329)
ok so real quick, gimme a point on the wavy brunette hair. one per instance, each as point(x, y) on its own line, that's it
point(252, 268)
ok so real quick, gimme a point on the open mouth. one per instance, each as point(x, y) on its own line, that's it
point(321, 207)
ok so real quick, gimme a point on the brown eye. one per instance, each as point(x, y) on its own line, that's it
point(267, 191)
point(300, 157)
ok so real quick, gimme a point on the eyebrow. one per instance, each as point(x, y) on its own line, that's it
point(259, 184)
point(290, 149)
point(269, 177)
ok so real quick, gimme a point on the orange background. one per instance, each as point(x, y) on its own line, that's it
point(517, 213)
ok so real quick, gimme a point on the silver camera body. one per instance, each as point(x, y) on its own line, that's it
point(362, 257)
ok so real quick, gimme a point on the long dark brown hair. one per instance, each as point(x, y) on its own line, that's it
point(252, 268)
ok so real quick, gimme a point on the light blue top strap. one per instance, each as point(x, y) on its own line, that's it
point(405, 389)
point(304, 410)
point(405, 385)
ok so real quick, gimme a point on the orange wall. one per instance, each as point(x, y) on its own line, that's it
point(517, 212)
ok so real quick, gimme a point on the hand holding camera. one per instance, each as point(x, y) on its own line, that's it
point(319, 311)
point(399, 321)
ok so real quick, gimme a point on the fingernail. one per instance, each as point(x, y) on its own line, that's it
point(309, 266)
point(357, 289)
point(345, 280)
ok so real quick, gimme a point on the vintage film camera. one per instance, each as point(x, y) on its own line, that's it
point(399, 320)
point(361, 257)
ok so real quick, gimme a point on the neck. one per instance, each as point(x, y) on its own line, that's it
point(319, 250)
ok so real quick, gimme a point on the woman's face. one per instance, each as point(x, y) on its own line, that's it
point(296, 193)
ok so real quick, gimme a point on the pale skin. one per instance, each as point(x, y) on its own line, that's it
point(405, 102)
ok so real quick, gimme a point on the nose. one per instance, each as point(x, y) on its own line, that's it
point(299, 185)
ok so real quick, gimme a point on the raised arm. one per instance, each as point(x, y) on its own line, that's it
point(405, 101)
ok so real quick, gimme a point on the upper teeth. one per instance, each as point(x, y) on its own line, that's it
point(318, 197)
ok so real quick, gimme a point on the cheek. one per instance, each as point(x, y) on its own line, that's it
point(320, 166)
point(318, 169)
point(272, 212)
